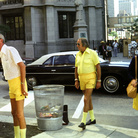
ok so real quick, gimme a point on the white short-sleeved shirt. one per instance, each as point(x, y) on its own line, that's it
point(115, 44)
point(10, 57)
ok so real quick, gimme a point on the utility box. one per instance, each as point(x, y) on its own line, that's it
point(125, 47)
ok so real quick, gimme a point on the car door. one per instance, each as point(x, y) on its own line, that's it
point(43, 72)
point(63, 69)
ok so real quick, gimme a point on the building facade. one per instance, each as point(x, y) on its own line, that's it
point(127, 5)
point(113, 8)
point(135, 2)
point(123, 26)
point(38, 27)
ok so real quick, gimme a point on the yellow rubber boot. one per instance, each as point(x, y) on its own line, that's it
point(16, 132)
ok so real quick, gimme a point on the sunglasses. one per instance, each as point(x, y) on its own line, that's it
point(78, 44)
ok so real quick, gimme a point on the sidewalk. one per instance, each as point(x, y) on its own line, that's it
point(93, 131)
point(73, 131)
point(119, 57)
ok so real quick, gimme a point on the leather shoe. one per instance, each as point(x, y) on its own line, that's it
point(82, 125)
point(91, 122)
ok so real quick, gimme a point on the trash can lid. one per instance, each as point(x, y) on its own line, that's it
point(47, 86)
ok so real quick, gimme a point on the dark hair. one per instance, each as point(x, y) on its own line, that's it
point(107, 43)
point(84, 42)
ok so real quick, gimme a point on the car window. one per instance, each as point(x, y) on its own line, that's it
point(48, 62)
point(71, 59)
point(64, 60)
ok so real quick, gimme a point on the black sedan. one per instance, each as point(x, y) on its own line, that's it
point(58, 68)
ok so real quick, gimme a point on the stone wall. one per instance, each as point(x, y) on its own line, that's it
point(19, 45)
point(41, 26)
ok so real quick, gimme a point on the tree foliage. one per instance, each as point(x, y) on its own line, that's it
point(134, 27)
point(113, 33)
point(4, 29)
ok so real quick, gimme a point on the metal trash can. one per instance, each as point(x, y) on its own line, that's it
point(49, 100)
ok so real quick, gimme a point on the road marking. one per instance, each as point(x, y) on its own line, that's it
point(79, 109)
point(7, 108)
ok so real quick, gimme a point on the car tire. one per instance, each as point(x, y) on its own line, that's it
point(111, 84)
point(31, 82)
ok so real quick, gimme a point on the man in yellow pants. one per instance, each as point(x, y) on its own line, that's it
point(88, 72)
point(15, 73)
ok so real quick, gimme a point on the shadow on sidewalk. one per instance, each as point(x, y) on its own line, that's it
point(6, 130)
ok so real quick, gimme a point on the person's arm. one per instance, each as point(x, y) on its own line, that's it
point(23, 76)
point(131, 70)
point(113, 44)
point(98, 83)
point(76, 79)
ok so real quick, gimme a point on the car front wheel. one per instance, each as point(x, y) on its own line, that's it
point(111, 84)
point(31, 82)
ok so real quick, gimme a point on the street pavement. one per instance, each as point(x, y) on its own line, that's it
point(92, 131)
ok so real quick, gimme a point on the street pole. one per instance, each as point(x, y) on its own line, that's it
point(105, 7)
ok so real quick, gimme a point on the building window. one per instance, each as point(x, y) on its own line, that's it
point(66, 23)
point(5, 2)
point(16, 27)
point(128, 20)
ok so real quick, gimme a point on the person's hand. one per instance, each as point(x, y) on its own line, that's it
point(23, 90)
point(98, 85)
point(77, 84)
point(134, 83)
